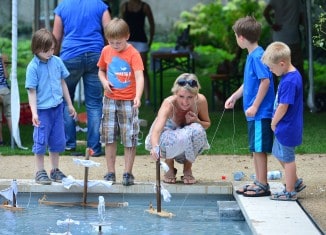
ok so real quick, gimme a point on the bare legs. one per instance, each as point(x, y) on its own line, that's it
point(54, 158)
point(110, 153)
point(170, 176)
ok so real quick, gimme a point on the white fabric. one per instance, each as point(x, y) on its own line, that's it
point(9, 192)
point(165, 193)
point(15, 100)
point(70, 181)
point(85, 163)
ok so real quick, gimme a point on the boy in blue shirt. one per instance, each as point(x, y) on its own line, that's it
point(46, 86)
point(287, 122)
point(257, 91)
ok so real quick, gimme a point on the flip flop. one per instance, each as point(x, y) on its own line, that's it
point(260, 190)
point(188, 179)
point(170, 179)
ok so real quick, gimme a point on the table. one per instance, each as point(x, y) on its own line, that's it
point(164, 59)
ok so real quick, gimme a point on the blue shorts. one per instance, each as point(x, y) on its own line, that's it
point(51, 132)
point(283, 153)
point(260, 136)
point(119, 118)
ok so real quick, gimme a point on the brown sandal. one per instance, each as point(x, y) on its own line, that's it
point(170, 179)
point(189, 179)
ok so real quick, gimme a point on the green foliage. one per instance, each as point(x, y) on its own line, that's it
point(319, 39)
point(211, 24)
point(24, 30)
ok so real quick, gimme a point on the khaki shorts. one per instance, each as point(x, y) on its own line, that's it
point(5, 103)
point(119, 119)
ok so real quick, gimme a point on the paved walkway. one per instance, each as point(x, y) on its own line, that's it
point(269, 217)
point(264, 216)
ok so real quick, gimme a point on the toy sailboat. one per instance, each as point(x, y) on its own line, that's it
point(11, 195)
point(69, 181)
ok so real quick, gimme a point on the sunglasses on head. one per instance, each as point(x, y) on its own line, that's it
point(192, 83)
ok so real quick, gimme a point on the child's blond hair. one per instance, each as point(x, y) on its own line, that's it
point(275, 53)
point(117, 28)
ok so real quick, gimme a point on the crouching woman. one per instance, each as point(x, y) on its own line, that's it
point(179, 130)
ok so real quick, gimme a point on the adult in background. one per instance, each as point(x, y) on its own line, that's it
point(5, 96)
point(134, 13)
point(178, 132)
point(78, 28)
point(285, 18)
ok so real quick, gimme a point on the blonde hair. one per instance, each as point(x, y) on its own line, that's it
point(276, 52)
point(187, 77)
point(117, 28)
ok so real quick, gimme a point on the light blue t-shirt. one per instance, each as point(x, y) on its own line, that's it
point(289, 129)
point(254, 71)
point(46, 77)
point(82, 26)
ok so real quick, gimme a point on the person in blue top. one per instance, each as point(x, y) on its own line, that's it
point(46, 87)
point(78, 27)
point(287, 122)
point(5, 96)
point(258, 95)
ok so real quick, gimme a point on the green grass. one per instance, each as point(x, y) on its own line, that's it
point(227, 134)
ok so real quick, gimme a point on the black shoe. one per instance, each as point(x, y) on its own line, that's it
point(128, 179)
point(110, 177)
point(56, 175)
point(42, 178)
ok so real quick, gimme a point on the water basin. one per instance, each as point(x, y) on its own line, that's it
point(193, 214)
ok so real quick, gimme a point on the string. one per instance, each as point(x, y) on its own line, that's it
point(218, 126)
point(234, 130)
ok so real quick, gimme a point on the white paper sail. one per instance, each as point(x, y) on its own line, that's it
point(9, 192)
point(165, 193)
point(67, 221)
point(70, 181)
point(85, 163)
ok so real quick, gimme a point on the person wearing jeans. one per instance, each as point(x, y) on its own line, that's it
point(85, 66)
point(80, 41)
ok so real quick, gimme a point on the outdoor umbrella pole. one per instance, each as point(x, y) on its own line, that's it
point(158, 185)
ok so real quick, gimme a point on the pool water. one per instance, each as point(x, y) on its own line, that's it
point(194, 214)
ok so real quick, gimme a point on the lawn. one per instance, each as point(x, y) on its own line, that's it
point(227, 134)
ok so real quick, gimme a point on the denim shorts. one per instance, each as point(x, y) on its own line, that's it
point(51, 131)
point(283, 153)
point(119, 119)
point(260, 136)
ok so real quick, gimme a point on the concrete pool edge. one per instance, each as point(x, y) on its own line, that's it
point(269, 217)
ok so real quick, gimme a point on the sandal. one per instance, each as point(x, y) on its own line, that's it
point(189, 179)
point(260, 190)
point(245, 188)
point(285, 196)
point(170, 179)
point(299, 185)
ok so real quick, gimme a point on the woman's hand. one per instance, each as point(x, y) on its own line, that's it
point(191, 117)
point(155, 153)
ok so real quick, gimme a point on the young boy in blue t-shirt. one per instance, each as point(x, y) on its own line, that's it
point(258, 95)
point(287, 122)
